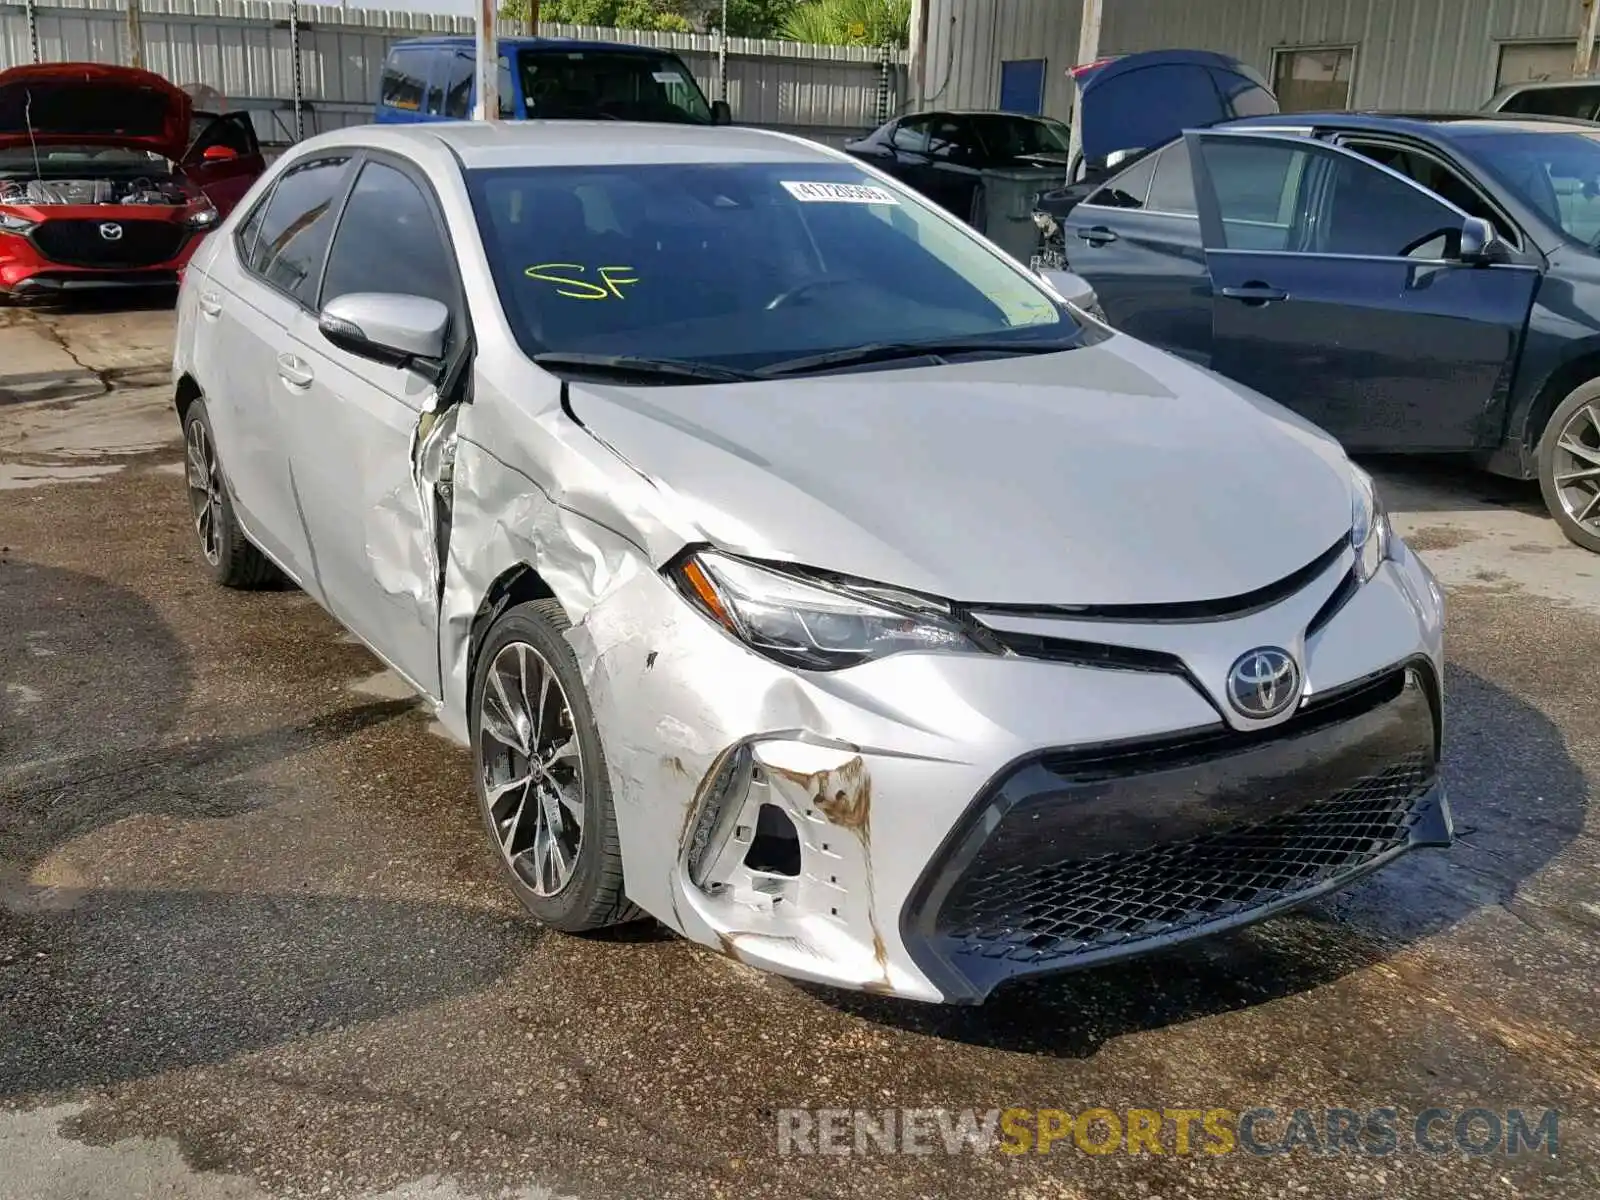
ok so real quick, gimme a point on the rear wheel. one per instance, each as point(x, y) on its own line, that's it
point(229, 555)
point(1569, 466)
point(541, 776)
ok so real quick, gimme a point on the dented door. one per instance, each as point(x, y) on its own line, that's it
point(371, 517)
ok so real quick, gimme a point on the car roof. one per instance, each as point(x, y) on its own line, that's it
point(488, 144)
point(527, 43)
point(1547, 85)
point(1439, 124)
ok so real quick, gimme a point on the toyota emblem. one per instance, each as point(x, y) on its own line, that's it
point(111, 231)
point(1263, 683)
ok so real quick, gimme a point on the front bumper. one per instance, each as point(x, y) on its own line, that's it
point(151, 251)
point(932, 826)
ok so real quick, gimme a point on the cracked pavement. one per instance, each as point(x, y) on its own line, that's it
point(252, 942)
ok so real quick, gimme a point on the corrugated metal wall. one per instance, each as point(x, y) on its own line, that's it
point(1409, 53)
point(242, 49)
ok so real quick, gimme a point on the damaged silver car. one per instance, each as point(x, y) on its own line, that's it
point(801, 571)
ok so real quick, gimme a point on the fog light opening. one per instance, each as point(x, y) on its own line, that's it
point(775, 849)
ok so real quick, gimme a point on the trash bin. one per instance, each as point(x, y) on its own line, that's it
point(1003, 208)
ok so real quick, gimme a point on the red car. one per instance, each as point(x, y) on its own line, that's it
point(109, 178)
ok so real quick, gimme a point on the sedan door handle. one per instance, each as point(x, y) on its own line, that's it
point(294, 371)
point(210, 304)
point(1255, 293)
point(1099, 235)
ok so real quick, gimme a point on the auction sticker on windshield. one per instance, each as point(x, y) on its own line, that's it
point(838, 193)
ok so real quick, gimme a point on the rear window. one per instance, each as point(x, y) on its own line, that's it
point(1580, 102)
point(625, 86)
point(740, 263)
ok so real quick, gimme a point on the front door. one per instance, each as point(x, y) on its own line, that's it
point(376, 551)
point(224, 158)
point(1337, 290)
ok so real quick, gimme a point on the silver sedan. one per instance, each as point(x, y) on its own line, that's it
point(800, 570)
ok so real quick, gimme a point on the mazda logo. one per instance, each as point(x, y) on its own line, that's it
point(111, 231)
point(1263, 683)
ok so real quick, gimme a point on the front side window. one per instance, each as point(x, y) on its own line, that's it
point(1277, 197)
point(588, 84)
point(296, 223)
point(389, 241)
point(1555, 172)
point(405, 80)
point(741, 264)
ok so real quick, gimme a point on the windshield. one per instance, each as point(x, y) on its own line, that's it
point(577, 84)
point(741, 264)
point(1556, 173)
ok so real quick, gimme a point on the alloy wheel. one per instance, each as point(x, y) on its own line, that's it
point(533, 779)
point(205, 491)
point(1577, 467)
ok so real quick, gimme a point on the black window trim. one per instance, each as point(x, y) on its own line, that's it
point(1211, 234)
point(339, 198)
point(1342, 137)
point(460, 317)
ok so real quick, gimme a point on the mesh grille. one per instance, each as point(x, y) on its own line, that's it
point(74, 243)
point(1038, 914)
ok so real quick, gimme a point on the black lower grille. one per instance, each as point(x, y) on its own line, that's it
point(1038, 913)
point(74, 243)
point(1080, 855)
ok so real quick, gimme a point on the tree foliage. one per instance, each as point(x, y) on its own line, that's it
point(849, 22)
point(746, 18)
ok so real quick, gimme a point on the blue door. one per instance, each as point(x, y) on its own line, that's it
point(1338, 289)
point(1022, 85)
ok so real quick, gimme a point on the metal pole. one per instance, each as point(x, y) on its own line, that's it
point(1585, 57)
point(487, 106)
point(883, 83)
point(135, 35)
point(33, 29)
point(533, 18)
point(294, 54)
point(722, 55)
point(1088, 51)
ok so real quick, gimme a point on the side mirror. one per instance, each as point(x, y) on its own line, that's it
point(1480, 244)
point(218, 154)
point(398, 330)
point(1074, 289)
point(721, 113)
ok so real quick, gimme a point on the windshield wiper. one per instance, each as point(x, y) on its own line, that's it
point(628, 364)
point(889, 351)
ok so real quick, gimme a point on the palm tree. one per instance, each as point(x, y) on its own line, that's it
point(850, 22)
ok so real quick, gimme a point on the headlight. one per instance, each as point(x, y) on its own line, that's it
point(1370, 534)
point(202, 218)
point(816, 626)
point(11, 223)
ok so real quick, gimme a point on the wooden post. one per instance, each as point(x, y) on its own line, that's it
point(1088, 51)
point(1583, 63)
point(533, 18)
point(487, 107)
point(135, 35)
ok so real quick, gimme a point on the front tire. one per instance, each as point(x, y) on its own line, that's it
point(1569, 466)
point(540, 774)
point(232, 560)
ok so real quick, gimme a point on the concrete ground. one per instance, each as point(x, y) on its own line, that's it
point(252, 942)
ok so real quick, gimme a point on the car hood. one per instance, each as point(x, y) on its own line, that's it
point(91, 104)
point(1112, 474)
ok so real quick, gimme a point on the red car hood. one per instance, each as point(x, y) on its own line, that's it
point(91, 104)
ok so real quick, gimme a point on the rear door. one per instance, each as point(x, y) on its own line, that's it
point(1137, 241)
point(1335, 292)
point(224, 157)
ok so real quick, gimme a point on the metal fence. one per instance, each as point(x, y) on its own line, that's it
point(249, 50)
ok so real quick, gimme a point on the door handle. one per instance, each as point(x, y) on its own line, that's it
point(210, 305)
point(294, 371)
point(1098, 235)
point(1255, 294)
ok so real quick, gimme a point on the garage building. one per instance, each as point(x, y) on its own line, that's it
point(1392, 54)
